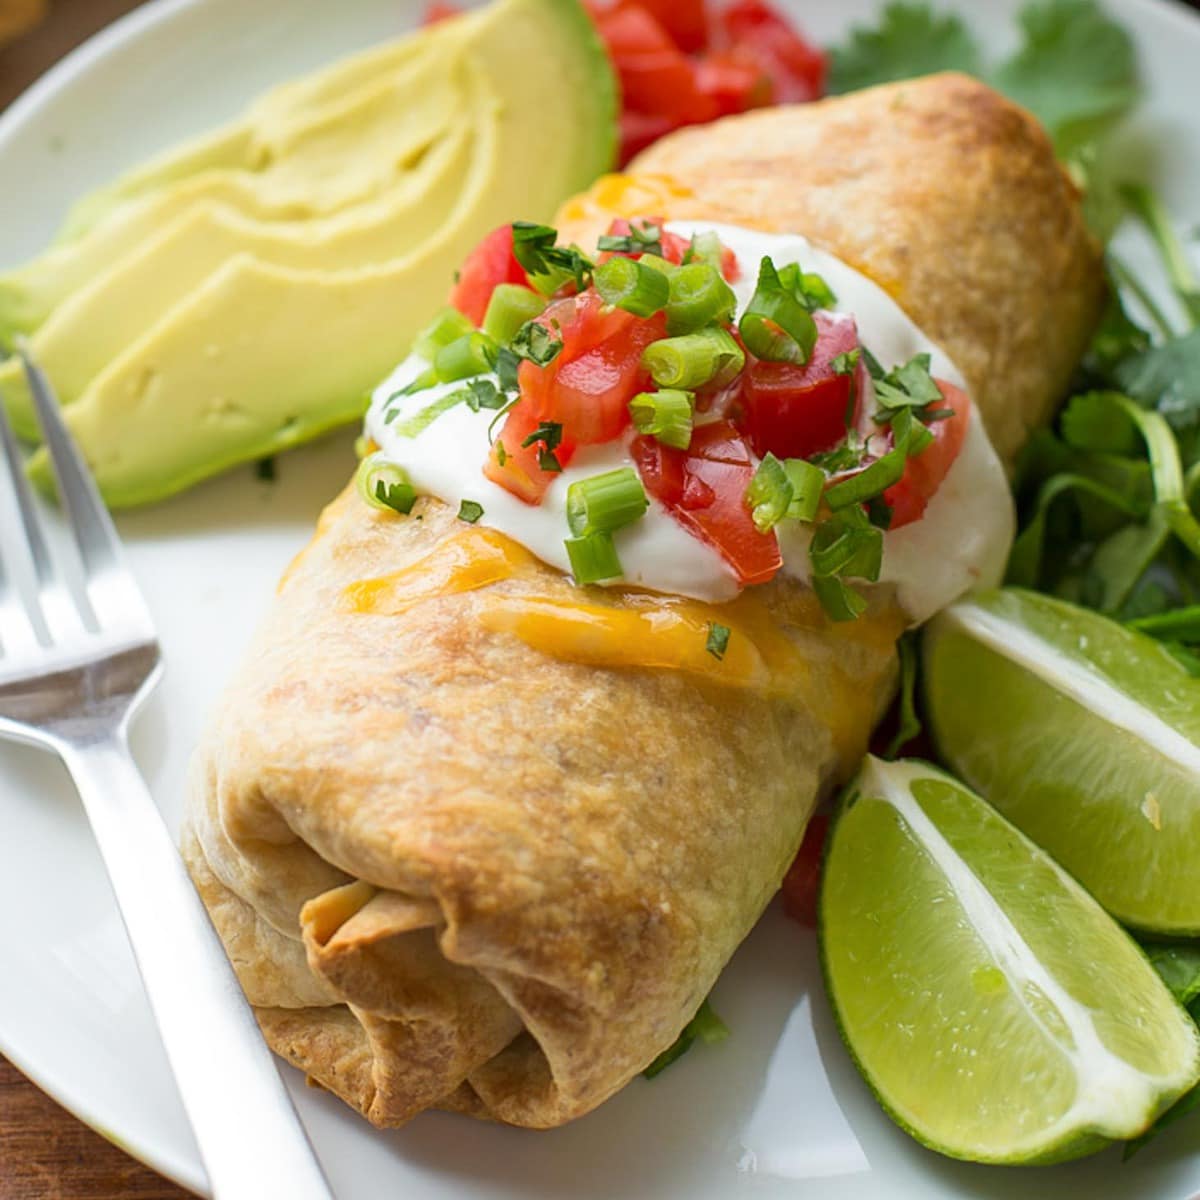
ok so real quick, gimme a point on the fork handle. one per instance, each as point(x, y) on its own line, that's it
point(249, 1135)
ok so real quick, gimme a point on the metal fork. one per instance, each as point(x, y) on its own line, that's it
point(72, 672)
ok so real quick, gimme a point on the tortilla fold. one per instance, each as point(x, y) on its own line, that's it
point(458, 868)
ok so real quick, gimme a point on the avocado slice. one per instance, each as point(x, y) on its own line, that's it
point(361, 150)
point(91, 328)
point(248, 144)
point(260, 357)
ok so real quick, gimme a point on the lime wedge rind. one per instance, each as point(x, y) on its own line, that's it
point(1113, 1098)
point(1078, 681)
point(1086, 735)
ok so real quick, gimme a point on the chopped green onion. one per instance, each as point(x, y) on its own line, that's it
point(705, 248)
point(427, 379)
point(470, 511)
point(383, 484)
point(606, 502)
point(470, 355)
point(632, 286)
point(718, 640)
point(872, 481)
point(710, 355)
point(509, 308)
point(808, 485)
point(419, 422)
point(662, 265)
point(809, 289)
point(840, 601)
point(664, 415)
point(769, 494)
point(699, 297)
point(777, 327)
point(448, 326)
point(593, 557)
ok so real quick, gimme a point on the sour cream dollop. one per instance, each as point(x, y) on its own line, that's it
point(961, 542)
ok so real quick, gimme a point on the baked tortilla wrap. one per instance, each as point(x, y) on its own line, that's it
point(458, 869)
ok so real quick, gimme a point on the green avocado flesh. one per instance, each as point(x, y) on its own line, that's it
point(246, 291)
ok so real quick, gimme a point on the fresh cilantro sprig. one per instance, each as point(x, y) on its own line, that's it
point(644, 237)
point(1075, 69)
point(548, 265)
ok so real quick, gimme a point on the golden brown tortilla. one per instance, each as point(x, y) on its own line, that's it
point(456, 871)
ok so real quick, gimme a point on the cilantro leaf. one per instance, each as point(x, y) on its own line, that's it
point(1166, 377)
point(911, 40)
point(1076, 70)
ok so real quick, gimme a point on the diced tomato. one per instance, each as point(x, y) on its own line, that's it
point(491, 262)
point(589, 384)
point(674, 247)
point(685, 21)
point(797, 411)
point(656, 76)
point(802, 883)
point(796, 69)
point(734, 81)
point(521, 472)
point(439, 10)
point(923, 474)
point(704, 488)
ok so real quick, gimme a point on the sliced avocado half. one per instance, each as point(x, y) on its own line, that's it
point(259, 357)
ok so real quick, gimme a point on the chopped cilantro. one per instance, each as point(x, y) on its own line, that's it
point(537, 343)
point(470, 511)
point(549, 265)
point(718, 639)
point(644, 237)
point(548, 437)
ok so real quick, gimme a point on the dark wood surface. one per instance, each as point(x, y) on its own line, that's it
point(45, 1154)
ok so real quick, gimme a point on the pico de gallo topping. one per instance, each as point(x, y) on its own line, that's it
point(737, 420)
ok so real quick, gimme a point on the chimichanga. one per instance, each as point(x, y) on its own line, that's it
point(479, 839)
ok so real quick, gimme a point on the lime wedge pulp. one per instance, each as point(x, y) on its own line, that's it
point(999, 1014)
point(1083, 733)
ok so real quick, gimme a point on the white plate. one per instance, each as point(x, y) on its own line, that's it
point(777, 1110)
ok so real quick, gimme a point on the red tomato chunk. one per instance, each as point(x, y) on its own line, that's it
point(588, 386)
point(492, 262)
point(924, 473)
point(797, 411)
point(704, 488)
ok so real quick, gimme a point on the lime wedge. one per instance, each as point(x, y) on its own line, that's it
point(999, 1014)
point(1083, 733)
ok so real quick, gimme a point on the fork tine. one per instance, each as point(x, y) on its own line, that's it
point(56, 616)
point(115, 597)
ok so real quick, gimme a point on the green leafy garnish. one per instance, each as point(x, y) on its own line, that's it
point(910, 40)
point(644, 237)
point(549, 266)
point(1075, 69)
point(705, 1026)
point(538, 343)
point(718, 639)
point(470, 511)
point(547, 437)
